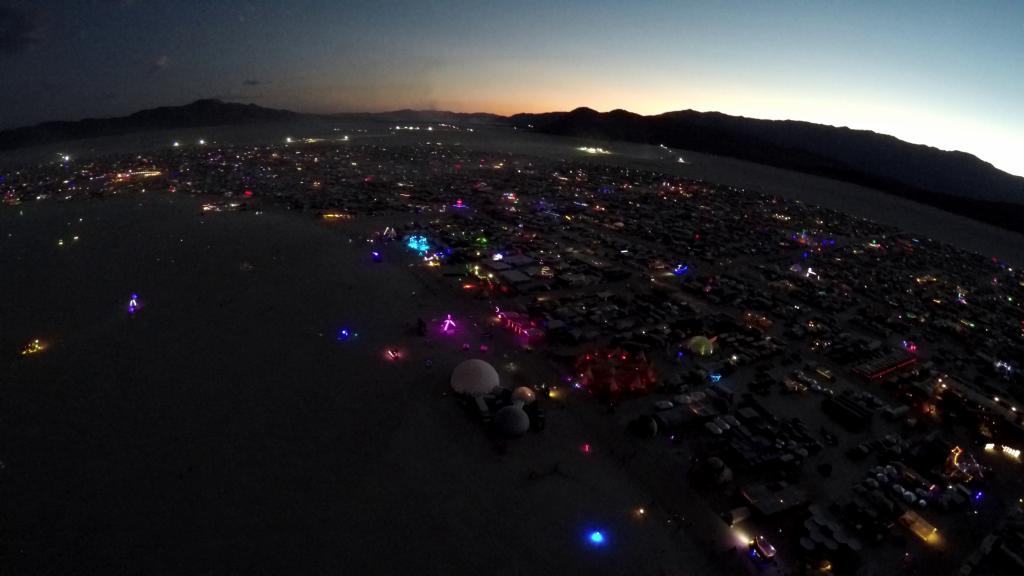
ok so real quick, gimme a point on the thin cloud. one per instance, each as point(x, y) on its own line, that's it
point(251, 82)
point(160, 64)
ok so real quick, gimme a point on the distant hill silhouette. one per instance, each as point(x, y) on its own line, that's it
point(207, 112)
point(856, 155)
point(435, 116)
point(954, 181)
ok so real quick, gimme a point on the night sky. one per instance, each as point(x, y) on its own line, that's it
point(945, 73)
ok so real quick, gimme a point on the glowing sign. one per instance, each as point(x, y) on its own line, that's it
point(1006, 450)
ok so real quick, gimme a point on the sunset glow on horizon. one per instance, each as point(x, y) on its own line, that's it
point(944, 74)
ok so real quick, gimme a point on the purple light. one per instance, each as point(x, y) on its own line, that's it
point(448, 324)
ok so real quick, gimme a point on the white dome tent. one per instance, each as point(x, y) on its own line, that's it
point(512, 420)
point(524, 394)
point(475, 378)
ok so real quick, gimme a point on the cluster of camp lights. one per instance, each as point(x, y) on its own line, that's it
point(1006, 450)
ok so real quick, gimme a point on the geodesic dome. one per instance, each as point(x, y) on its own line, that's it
point(475, 378)
point(524, 394)
point(512, 421)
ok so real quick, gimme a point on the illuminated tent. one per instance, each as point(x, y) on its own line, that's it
point(524, 394)
point(701, 346)
point(611, 373)
point(475, 378)
point(512, 421)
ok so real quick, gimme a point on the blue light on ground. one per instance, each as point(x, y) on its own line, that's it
point(418, 243)
point(597, 538)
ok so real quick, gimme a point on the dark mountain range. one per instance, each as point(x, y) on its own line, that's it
point(199, 113)
point(859, 156)
point(954, 181)
point(210, 112)
point(436, 116)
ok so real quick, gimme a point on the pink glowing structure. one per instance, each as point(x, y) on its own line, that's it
point(448, 324)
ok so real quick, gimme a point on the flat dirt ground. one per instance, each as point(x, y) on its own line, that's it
point(223, 429)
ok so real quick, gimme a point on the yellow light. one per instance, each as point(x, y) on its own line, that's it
point(742, 537)
point(33, 347)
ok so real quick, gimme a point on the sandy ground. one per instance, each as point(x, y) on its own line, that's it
point(223, 429)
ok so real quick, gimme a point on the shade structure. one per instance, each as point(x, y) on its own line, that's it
point(512, 421)
point(475, 378)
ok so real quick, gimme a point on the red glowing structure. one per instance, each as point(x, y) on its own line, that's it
point(517, 323)
point(613, 373)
